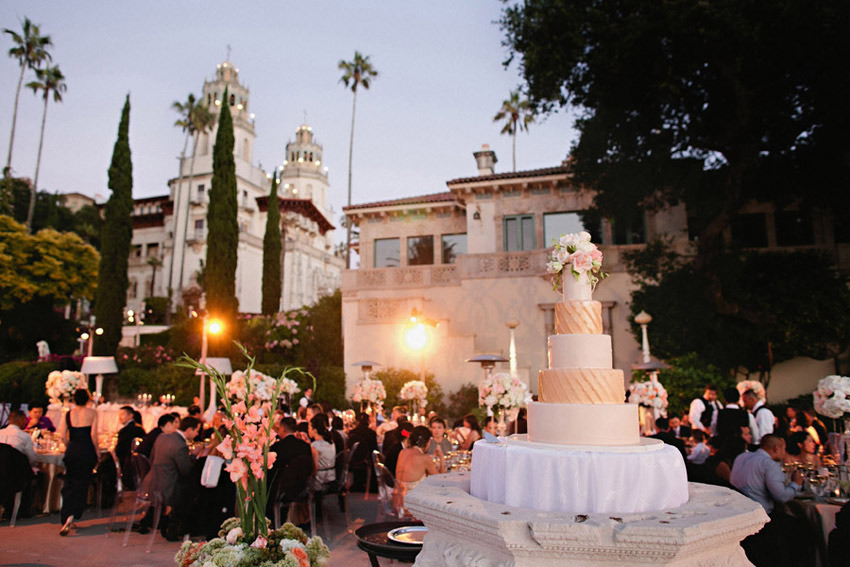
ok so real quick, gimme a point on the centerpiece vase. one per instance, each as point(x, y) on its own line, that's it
point(501, 426)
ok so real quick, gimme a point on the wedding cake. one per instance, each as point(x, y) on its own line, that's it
point(583, 451)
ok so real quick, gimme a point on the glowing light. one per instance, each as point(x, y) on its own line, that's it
point(218, 103)
point(300, 160)
point(98, 331)
point(84, 336)
point(252, 116)
point(239, 106)
point(318, 162)
point(214, 327)
point(415, 337)
point(130, 313)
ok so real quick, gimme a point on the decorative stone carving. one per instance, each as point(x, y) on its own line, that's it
point(463, 530)
point(371, 278)
point(408, 276)
point(444, 275)
point(380, 310)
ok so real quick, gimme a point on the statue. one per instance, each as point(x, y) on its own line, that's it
point(43, 349)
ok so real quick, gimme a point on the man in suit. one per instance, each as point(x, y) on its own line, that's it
point(729, 421)
point(170, 460)
point(292, 468)
point(167, 423)
point(679, 430)
point(129, 431)
point(662, 424)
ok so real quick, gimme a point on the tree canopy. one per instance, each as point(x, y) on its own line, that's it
point(48, 264)
point(712, 104)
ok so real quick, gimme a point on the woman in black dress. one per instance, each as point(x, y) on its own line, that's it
point(79, 431)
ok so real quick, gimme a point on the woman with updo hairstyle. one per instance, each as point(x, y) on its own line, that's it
point(469, 433)
point(414, 464)
point(324, 453)
point(802, 449)
point(79, 432)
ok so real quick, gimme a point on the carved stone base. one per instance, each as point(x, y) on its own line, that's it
point(466, 531)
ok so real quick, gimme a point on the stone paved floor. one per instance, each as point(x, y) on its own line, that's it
point(36, 541)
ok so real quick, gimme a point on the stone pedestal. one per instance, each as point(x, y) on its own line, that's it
point(466, 531)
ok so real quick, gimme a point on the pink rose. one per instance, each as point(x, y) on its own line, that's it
point(259, 543)
point(582, 262)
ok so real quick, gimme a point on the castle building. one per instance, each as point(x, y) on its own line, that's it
point(170, 231)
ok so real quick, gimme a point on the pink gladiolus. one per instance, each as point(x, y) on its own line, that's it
point(259, 543)
point(226, 448)
point(237, 470)
point(238, 408)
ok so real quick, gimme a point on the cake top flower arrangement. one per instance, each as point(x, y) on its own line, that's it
point(832, 398)
point(415, 390)
point(576, 254)
point(648, 394)
point(61, 385)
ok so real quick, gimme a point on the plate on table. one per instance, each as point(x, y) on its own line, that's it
point(838, 501)
point(410, 535)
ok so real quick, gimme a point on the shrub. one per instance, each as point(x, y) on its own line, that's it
point(686, 380)
point(393, 380)
point(30, 376)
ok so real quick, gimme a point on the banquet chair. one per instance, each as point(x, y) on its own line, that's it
point(120, 493)
point(292, 485)
point(385, 492)
point(146, 498)
point(15, 475)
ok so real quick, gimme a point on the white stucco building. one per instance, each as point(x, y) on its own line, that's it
point(472, 259)
point(171, 230)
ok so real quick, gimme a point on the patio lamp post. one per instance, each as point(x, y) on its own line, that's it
point(416, 339)
point(210, 327)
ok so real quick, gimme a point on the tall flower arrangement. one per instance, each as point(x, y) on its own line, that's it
point(369, 391)
point(503, 391)
point(753, 385)
point(832, 398)
point(250, 400)
point(576, 254)
point(61, 385)
point(650, 394)
point(416, 392)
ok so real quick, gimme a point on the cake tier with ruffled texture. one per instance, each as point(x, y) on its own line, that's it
point(578, 317)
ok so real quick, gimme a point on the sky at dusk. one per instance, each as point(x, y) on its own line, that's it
point(441, 81)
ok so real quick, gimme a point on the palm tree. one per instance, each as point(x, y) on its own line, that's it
point(31, 51)
point(519, 114)
point(357, 72)
point(49, 79)
point(201, 120)
point(184, 109)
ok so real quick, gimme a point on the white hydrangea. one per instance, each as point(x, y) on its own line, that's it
point(832, 398)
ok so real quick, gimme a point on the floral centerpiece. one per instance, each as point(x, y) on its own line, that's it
point(250, 400)
point(650, 394)
point(61, 385)
point(753, 385)
point(504, 392)
point(576, 254)
point(832, 398)
point(286, 547)
point(369, 391)
point(416, 392)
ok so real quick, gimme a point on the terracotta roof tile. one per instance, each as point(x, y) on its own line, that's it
point(511, 175)
point(445, 196)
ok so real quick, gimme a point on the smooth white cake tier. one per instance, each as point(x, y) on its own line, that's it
point(583, 424)
point(579, 290)
point(581, 386)
point(580, 351)
point(575, 480)
point(578, 317)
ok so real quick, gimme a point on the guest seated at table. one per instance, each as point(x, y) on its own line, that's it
point(292, 468)
point(130, 430)
point(414, 464)
point(79, 432)
point(802, 423)
point(679, 430)
point(784, 540)
point(37, 419)
point(720, 463)
point(438, 437)
point(801, 449)
point(818, 425)
point(491, 426)
point(398, 413)
point(324, 453)
point(662, 426)
point(14, 436)
point(469, 433)
point(391, 453)
point(167, 423)
point(361, 459)
point(209, 429)
point(336, 438)
point(700, 451)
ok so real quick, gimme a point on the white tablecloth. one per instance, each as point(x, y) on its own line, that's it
point(554, 479)
point(107, 416)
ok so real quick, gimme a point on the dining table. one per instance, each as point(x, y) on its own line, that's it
point(820, 516)
point(107, 415)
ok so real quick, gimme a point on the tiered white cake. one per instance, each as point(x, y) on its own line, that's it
point(583, 452)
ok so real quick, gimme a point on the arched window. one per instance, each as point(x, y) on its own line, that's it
point(209, 99)
point(232, 100)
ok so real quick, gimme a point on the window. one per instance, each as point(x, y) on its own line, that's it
point(794, 228)
point(387, 252)
point(629, 230)
point(201, 191)
point(137, 251)
point(153, 250)
point(420, 250)
point(199, 224)
point(232, 100)
point(518, 233)
point(133, 290)
point(556, 224)
point(750, 230)
point(453, 245)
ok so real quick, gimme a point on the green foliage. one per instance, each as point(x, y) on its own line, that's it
point(163, 379)
point(796, 305)
point(117, 234)
point(463, 401)
point(27, 323)
point(322, 337)
point(393, 380)
point(271, 255)
point(687, 379)
point(156, 310)
point(49, 264)
point(31, 376)
point(223, 234)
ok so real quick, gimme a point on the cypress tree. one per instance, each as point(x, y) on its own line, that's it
point(115, 243)
point(223, 233)
point(271, 255)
